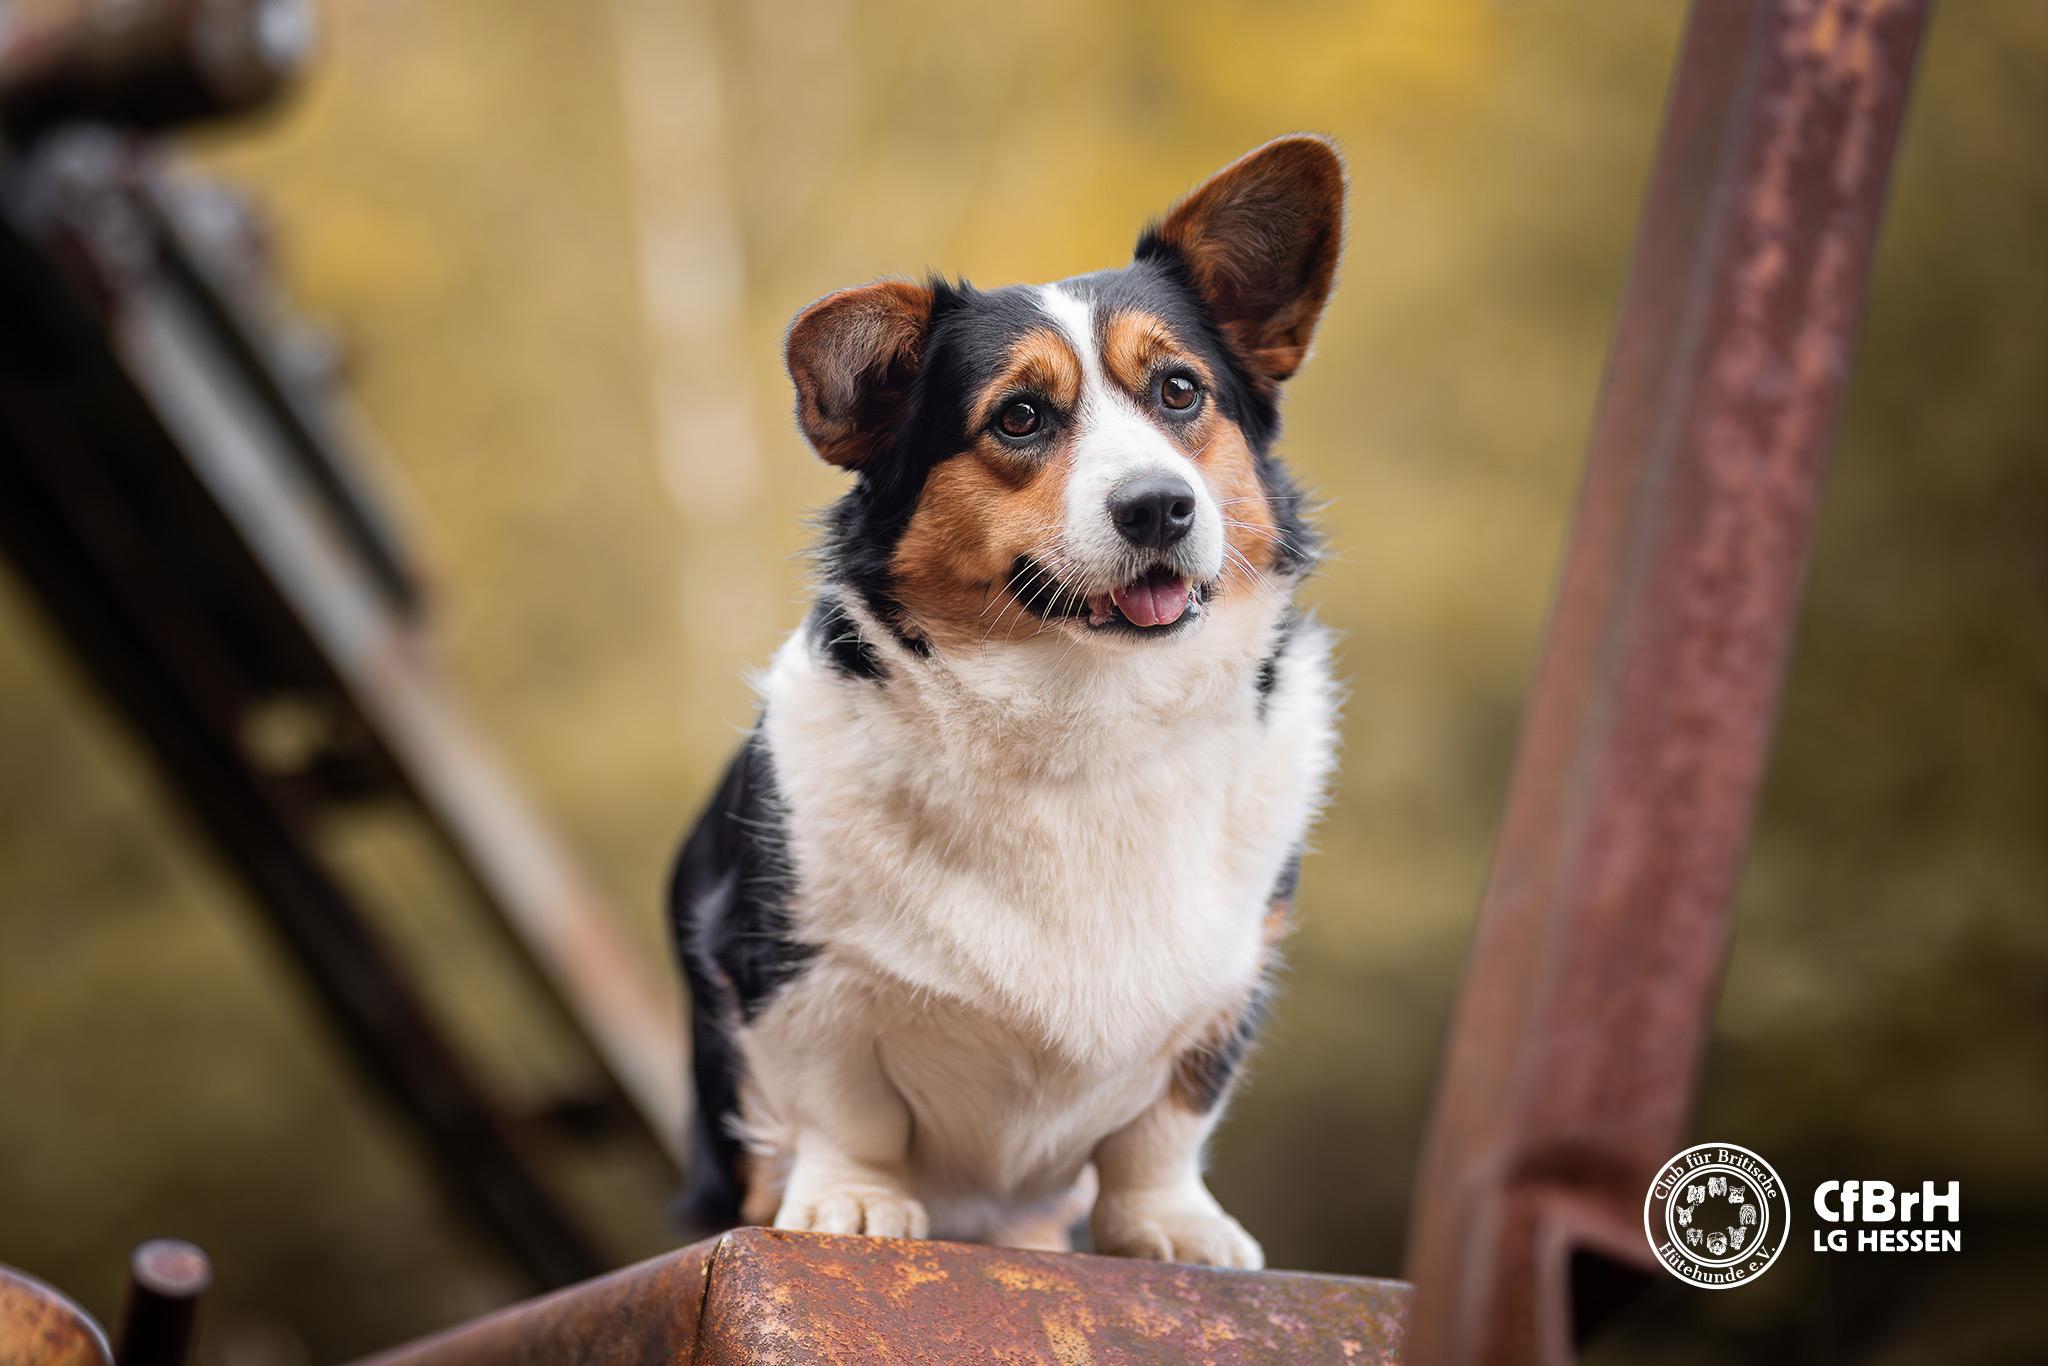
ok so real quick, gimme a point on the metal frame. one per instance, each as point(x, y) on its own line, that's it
point(185, 498)
point(1574, 1054)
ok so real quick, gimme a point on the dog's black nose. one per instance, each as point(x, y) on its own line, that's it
point(1153, 511)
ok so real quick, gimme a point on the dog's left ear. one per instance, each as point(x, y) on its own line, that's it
point(1259, 241)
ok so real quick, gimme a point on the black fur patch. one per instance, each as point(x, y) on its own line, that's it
point(1202, 1075)
point(729, 914)
point(1269, 668)
point(837, 637)
point(1290, 879)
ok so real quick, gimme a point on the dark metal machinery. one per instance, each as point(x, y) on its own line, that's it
point(1572, 1062)
point(181, 493)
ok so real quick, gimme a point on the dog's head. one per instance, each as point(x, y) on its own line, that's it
point(1090, 458)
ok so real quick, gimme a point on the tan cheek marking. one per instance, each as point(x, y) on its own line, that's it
point(1277, 922)
point(1040, 361)
point(1248, 525)
point(978, 513)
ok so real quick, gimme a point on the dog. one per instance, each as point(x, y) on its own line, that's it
point(978, 926)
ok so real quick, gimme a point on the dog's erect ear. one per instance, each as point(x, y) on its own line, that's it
point(1260, 241)
point(853, 356)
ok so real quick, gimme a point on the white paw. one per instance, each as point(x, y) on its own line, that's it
point(1174, 1228)
point(873, 1210)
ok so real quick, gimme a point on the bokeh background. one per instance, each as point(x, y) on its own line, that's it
point(559, 240)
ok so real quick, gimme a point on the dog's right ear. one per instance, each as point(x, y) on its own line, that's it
point(853, 356)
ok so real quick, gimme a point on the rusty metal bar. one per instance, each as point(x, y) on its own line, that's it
point(1576, 1045)
point(166, 1277)
point(756, 1296)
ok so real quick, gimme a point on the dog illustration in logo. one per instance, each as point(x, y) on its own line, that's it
point(1684, 1215)
point(1737, 1235)
point(1694, 1194)
point(1717, 1185)
point(1717, 1243)
point(1692, 1235)
point(1737, 1193)
point(1748, 1215)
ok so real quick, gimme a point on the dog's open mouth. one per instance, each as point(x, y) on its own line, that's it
point(1158, 603)
point(1156, 598)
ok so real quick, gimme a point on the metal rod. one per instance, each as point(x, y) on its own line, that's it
point(1574, 1053)
point(166, 1277)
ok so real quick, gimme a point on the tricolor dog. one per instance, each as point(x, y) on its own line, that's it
point(978, 925)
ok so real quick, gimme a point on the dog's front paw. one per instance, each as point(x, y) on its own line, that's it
point(873, 1210)
point(1174, 1227)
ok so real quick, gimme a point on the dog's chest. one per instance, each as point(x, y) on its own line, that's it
point(1109, 906)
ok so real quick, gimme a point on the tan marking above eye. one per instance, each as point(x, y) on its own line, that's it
point(1040, 362)
point(1135, 345)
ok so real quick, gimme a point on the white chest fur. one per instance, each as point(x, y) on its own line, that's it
point(1035, 880)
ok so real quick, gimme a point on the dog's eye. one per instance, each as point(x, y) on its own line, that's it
point(1019, 420)
point(1179, 391)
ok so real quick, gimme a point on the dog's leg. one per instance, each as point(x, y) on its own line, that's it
point(1153, 1204)
point(850, 1170)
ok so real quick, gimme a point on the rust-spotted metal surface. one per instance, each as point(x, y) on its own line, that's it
point(39, 1327)
point(1571, 1066)
point(756, 1297)
point(781, 1299)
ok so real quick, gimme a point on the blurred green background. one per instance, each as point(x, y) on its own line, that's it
point(561, 239)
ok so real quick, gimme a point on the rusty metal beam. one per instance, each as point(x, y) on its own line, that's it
point(1575, 1049)
point(756, 1296)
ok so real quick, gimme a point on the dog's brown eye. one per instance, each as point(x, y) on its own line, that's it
point(1178, 392)
point(1019, 420)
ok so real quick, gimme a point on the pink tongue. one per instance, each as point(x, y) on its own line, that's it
point(1153, 602)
